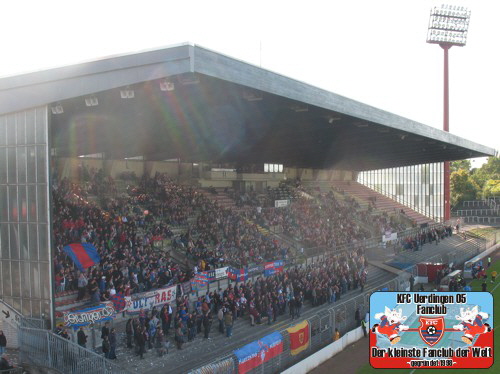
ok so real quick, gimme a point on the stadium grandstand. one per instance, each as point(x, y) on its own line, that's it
point(188, 198)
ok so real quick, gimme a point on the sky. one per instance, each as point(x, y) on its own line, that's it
point(374, 52)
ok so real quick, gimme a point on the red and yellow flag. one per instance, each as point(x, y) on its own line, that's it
point(299, 337)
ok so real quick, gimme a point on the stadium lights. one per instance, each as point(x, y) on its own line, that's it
point(57, 109)
point(166, 85)
point(448, 26)
point(127, 93)
point(91, 101)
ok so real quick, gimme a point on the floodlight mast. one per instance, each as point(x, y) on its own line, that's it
point(448, 26)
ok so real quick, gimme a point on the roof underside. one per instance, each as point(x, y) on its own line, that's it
point(221, 110)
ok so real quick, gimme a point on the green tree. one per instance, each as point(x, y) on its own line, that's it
point(460, 164)
point(463, 187)
point(489, 170)
point(491, 188)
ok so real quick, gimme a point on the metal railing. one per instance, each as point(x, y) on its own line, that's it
point(42, 347)
point(15, 370)
point(484, 220)
point(340, 316)
point(322, 327)
point(476, 212)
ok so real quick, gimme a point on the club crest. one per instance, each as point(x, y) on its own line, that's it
point(431, 330)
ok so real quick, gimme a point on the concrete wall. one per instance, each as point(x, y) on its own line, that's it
point(318, 175)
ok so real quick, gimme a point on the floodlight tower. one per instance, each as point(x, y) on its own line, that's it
point(448, 26)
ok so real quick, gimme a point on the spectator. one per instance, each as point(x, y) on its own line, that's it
point(3, 343)
point(81, 338)
point(105, 330)
point(220, 318)
point(4, 363)
point(129, 330)
point(228, 323)
point(363, 326)
point(112, 344)
point(336, 335)
point(179, 336)
point(105, 346)
point(141, 341)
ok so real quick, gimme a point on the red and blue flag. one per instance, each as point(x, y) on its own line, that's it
point(118, 301)
point(200, 280)
point(84, 255)
point(271, 268)
point(239, 275)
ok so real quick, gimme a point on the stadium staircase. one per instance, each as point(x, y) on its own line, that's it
point(261, 229)
point(328, 186)
point(221, 198)
point(382, 202)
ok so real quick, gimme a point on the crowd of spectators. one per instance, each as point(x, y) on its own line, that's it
point(124, 230)
point(125, 242)
point(423, 236)
point(321, 221)
point(264, 300)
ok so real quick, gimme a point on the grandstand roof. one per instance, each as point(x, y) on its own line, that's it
point(223, 110)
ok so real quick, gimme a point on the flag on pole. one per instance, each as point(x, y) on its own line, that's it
point(84, 255)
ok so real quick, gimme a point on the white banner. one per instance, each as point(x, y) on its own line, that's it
point(389, 236)
point(221, 273)
point(281, 203)
point(148, 300)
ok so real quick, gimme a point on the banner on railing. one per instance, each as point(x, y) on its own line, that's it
point(225, 366)
point(186, 287)
point(389, 236)
point(84, 317)
point(256, 353)
point(238, 275)
point(281, 203)
point(199, 281)
point(255, 269)
point(271, 268)
point(148, 300)
point(299, 337)
point(216, 274)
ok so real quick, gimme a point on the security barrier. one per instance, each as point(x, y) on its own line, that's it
point(43, 348)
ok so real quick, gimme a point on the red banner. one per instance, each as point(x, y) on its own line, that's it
point(299, 337)
point(256, 353)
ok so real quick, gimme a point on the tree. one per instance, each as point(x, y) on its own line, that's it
point(491, 188)
point(489, 170)
point(463, 187)
point(460, 164)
